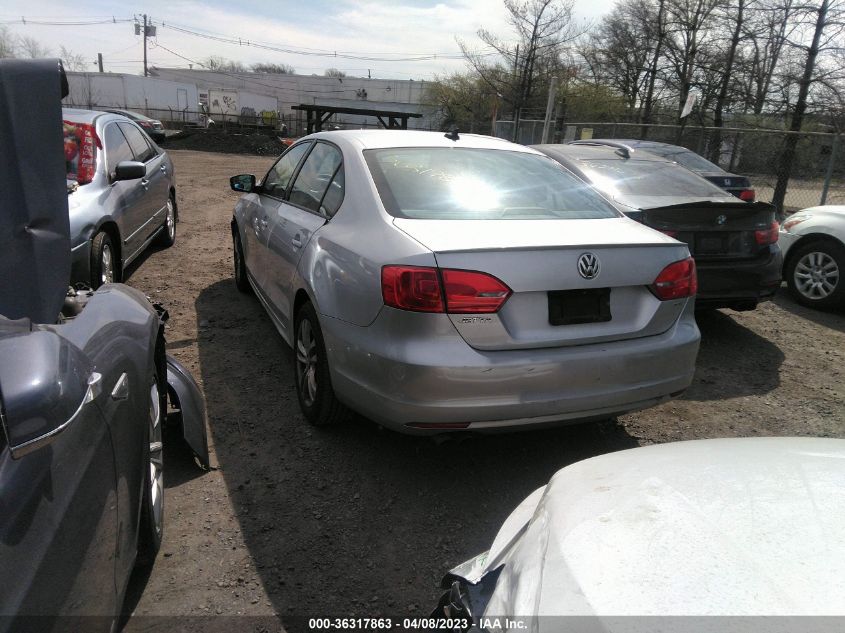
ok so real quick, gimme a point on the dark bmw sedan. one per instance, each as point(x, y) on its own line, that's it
point(734, 243)
point(739, 186)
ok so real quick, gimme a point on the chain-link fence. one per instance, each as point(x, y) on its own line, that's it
point(817, 174)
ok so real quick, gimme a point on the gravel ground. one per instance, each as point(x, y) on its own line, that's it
point(304, 522)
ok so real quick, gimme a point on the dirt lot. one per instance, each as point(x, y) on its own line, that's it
point(303, 522)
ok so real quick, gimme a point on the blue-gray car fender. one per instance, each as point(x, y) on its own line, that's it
point(185, 395)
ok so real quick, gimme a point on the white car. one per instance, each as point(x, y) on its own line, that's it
point(723, 527)
point(813, 246)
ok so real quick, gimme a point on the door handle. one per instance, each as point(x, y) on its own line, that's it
point(163, 169)
point(296, 241)
point(145, 183)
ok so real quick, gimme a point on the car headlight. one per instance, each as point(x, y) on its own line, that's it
point(794, 221)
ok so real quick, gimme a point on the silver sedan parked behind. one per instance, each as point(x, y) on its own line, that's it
point(121, 194)
point(433, 282)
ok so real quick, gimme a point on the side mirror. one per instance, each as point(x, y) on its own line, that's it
point(129, 170)
point(46, 383)
point(244, 183)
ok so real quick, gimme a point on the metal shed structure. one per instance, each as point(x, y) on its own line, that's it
point(317, 115)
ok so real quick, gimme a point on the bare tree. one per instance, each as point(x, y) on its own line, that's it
point(618, 51)
point(31, 48)
point(825, 23)
point(221, 64)
point(72, 61)
point(688, 23)
point(543, 29)
point(273, 69)
point(7, 43)
point(334, 72)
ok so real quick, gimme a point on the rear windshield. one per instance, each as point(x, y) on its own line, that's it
point(622, 178)
point(682, 156)
point(443, 183)
point(80, 151)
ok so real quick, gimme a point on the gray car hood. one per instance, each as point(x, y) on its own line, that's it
point(710, 527)
point(34, 229)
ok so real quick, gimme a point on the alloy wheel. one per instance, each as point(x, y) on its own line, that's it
point(306, 363)
point(156, 464)
point(171, 219)
point(106, 265)
point(816, 275)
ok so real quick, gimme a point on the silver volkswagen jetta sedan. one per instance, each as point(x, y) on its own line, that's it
point(437, 282)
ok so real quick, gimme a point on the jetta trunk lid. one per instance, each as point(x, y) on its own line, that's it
point(538, 260)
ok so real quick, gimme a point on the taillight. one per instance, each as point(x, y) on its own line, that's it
point(414, 288)
point(470, 291)
point(767, 236)
point(81, 143)
point(420, 289)
point(676, 281)
point(748, 195)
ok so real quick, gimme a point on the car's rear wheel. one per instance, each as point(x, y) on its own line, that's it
point(241, 280)
point(814, 274)
point(167, 236)
point(151, 525)
point(105, 262)
point(311, 371)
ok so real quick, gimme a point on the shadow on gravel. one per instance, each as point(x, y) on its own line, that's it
point(733, 360)
point(355, 520)
point(833, 319)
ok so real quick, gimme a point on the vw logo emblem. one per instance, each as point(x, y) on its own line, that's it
point(588, 266)
point(721, 219)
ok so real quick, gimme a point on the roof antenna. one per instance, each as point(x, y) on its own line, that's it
point(452, 135)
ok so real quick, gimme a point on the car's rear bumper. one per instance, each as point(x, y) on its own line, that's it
point(413, 372)
point(737, 283)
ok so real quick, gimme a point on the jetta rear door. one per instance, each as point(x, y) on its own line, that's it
point(295, 221)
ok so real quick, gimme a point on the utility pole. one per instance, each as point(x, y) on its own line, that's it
point(148, 31)
point(100, 61)
point(145, 45)
point(550, 106)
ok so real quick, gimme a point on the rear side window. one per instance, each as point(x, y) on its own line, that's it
point(334, 195)
point(315, 176)
point(682, 156)
point(276, 182)
point(444, 183)
point(621, 178)
point(140, 147)
point(117, 148)
point(80, 148)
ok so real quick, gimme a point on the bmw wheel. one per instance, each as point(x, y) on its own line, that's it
point(151, 527)
point(311, 371)
point(814, 274)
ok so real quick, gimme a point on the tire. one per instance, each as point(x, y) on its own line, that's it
point(241, 281)
point(311, 372)
point(151, 523)
point(167, 237)
point(814, 274)
point(105, 262)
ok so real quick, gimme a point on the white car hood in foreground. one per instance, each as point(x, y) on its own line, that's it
point(713, 527)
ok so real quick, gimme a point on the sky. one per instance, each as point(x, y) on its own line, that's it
point(394, 35)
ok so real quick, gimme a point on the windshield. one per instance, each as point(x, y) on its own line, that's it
point(682, 156)
point(440, 183)
point(623, 178)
